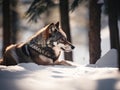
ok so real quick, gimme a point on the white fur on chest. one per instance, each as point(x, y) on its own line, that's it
point(57, 50)
point(48, 60)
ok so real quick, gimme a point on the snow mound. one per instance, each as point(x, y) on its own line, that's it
point(31, 76)
point(110, 59)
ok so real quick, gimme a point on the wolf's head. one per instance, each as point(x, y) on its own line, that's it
point(51, 36)
point(57, 38)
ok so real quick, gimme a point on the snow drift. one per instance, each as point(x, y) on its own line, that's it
point(110, 59)
point(31, 76)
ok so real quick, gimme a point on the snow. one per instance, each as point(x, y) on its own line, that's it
point(109, 60)
point(29, 76)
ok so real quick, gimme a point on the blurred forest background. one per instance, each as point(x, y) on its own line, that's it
point(84, 21)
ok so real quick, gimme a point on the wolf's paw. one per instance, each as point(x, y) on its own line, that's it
point(62, 62)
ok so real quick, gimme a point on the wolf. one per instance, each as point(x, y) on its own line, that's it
point(43, 48)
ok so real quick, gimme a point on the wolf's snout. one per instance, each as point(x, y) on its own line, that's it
point(72, 47)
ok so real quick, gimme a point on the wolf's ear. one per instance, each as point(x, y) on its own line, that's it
point(51, 28)
point(50, 25)
point(57, 24)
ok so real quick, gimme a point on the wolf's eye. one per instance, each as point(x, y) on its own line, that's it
point(62, 40)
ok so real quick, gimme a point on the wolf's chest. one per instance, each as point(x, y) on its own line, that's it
point(57, 51)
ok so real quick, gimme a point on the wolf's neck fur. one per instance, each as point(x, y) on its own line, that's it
point(46, 51)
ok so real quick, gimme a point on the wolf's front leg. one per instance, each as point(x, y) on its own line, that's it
point(62, 62)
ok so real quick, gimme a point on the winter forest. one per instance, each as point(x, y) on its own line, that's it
point(92, 26)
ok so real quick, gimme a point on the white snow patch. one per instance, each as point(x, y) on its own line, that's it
point(30, 76)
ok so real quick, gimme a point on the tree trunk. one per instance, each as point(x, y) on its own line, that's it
point(15, 20)
point(6, 24)
point(94, 32)
point(113, 7)
point(113, 24)
point(10, 22)
point(64, 16)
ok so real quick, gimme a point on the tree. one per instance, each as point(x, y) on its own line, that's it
point(94, 31)
point(37, 8)
point(113, 11)
point(10, 19)
point(6, 23)
point(94, 28)
point(113, 23)
point(64, 16)
point(15, 20)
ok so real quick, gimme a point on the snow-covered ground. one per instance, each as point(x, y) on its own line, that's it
point(101, 76)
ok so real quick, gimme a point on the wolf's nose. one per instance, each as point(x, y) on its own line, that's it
point(72, 47)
